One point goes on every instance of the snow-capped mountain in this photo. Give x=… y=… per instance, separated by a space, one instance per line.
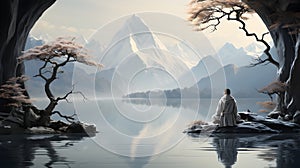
x=243 y=81
x=142 y=60
x=32 y=41
x=229 y=54
x=212 y=77
x=208 y=65
x=133 y=36
x=183 y=50
x=45 y=37
x=80 y=39
x=254 y=49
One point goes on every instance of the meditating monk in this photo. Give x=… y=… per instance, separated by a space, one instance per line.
x=226 y=113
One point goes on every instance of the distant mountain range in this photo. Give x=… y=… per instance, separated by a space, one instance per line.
x=205 y=67
x=243 y=81
x=229 y=54
x=136 y=62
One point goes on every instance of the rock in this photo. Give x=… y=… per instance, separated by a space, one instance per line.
x=246 y=116
x=274 y=114
x=296 y=117
x=254 y=124
x=90 y=128
x=279 y=125
x=287 y=117
x=194 y=129
x=275 y=124
x=246 y=127
x=40 y=130
x=75 y=128
x=58 y=125
x=55 y=127
x=8 y=127
x=78 y=127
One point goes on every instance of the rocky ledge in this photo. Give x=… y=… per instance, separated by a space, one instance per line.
x=249 y=123
x=55 y=127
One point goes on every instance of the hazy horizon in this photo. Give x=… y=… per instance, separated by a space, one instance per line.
x=74 y=18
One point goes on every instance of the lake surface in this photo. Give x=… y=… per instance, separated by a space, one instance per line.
x=138 y=133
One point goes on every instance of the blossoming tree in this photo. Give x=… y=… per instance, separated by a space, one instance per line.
x=54 y=56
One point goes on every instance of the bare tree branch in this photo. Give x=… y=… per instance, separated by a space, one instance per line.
x=68 y=118
x=261 y=40
x=69 y=93
x=41 y=71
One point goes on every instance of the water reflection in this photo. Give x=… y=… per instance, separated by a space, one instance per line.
x=137 y=162
x=158 y=102
x=283 y=149
x=198 y=104
x=227 y=150
x=21 y=151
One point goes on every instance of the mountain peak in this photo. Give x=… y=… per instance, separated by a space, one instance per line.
x=134 y=36
x=135 y=17
x=229 y=54
x=133 y=25
x=228 y=46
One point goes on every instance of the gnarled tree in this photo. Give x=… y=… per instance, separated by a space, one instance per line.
x=282 y=18
x=54 y=56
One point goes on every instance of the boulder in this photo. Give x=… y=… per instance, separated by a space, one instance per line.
x=246 y=127
x=274 y=114
x=40 y=130
x=296 y=117
x=83 y=128
x=58 y=125
x=8 y=127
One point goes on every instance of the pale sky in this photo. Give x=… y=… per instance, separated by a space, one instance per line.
x=85 y=17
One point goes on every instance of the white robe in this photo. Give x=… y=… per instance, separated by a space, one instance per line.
x=226 y=113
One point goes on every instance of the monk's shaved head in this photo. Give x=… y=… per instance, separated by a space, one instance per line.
x=227 y=91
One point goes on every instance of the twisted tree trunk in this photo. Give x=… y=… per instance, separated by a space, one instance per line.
x=277 y=16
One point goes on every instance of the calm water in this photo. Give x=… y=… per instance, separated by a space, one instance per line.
x=135 y=133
